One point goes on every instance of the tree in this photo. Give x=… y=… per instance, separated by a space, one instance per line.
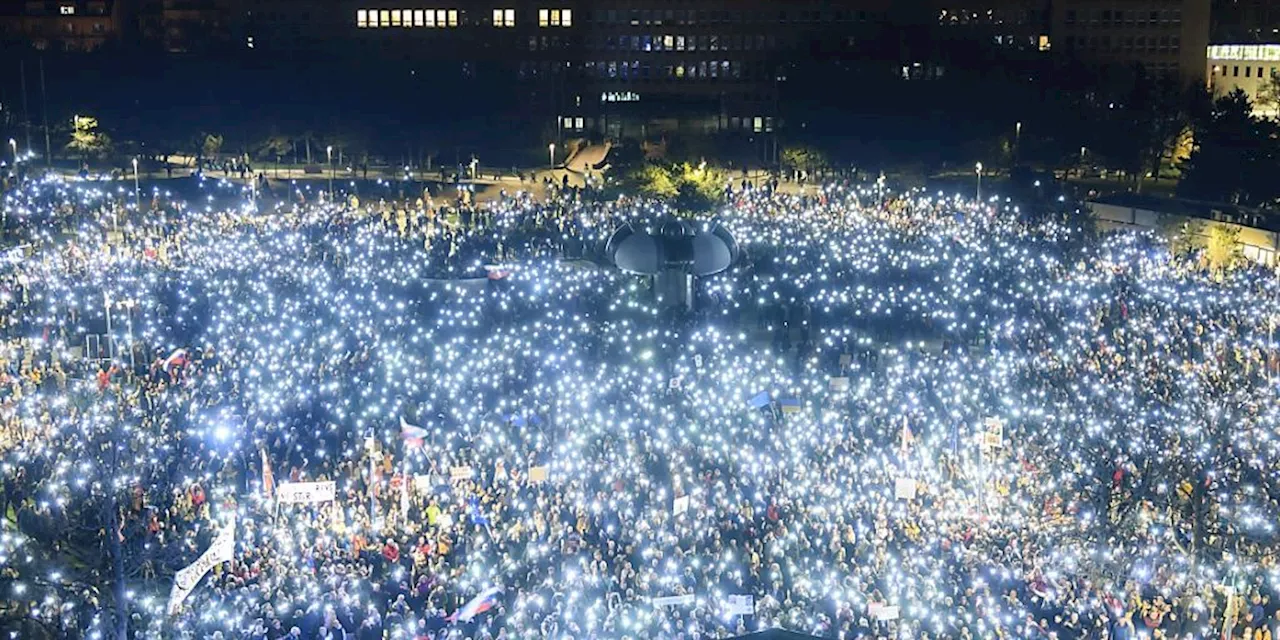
x=1184 y=235
x=655 y=181
x=1235 y=156
x=211 y=145
x=274 y=146
x=1222 y=250
x=86 y=140
x=802 y=158
x=1267 y=99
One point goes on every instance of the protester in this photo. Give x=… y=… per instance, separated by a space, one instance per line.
x=897 y=416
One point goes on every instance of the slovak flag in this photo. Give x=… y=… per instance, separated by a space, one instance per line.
x=412 y=436
x=176 y=359
x=487 y=600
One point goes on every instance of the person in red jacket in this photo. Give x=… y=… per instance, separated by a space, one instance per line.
x=391 y=552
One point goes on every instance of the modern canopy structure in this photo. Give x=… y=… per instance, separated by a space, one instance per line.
x=674 y=252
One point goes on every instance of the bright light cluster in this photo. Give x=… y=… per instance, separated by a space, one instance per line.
x=899 y=416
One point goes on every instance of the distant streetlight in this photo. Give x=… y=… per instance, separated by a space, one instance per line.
x=551 y=151
x=1017 y=140
x=13 y=144
x=978 y=170
x=329 y=152
x=137 y=193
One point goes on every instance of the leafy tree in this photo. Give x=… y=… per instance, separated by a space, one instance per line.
x=273 y=146
x=211 y=145
x=1267 y=99
x=1184 y=235
x=86 y=140
x=802 y=158
x=700 y=188
x=1222 y=250
x=655 y=181
x=1235 y=156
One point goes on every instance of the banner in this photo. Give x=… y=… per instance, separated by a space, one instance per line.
x=681 y=505
x=464 y=472
x=538 y=474
x=306 y=492
x=185 y=581
x=904 y=489
x=994 y=436
x=674 y=601
x=840 y=384
x=740 y=605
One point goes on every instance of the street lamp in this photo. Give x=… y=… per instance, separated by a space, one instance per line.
x=1017 y=140
x=329 y=152
x=13 y=144
x=978 y=169
x=551 y=151
x=137 y=193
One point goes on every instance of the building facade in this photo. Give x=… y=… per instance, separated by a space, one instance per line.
x=1245 y=66
x=60 y=25
x=1163 y=36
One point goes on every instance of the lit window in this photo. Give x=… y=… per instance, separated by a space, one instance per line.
x=249 y=41
x=395 y=17
x=555 y=17
x=442 y=18
x=67 y=10
x=362 y=18
x=453 y=17
x=408 y=17
x=384 y=18
x=578 y=123
x=431 y=18
x=759 y=124
x=418 y=19
x=1044 y=43
x=504 y=17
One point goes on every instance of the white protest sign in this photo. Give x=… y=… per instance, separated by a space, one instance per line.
x=306 y=492
x=538 y=474
x=740 y=605
x=904 y=489
x=185 y=581
x=840 y=384
x=887 y=613
x=464 y=472
x=674 y=601
x=681 y=505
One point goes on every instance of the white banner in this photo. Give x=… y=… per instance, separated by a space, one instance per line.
x=306 y=492
x=740 y=605
x=462 y=473
x=185 y=581
x=674 y=601
x=681 y=505
x=905 y=489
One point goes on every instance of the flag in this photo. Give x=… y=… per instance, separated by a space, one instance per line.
x=404 y=492
x=487 y=600
x=412 y=436
x=473 y=510
x=907 y=438
x=789 y=405
x=268 y=478
x=760 y=400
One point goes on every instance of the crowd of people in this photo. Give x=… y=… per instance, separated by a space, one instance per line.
x=898 y=415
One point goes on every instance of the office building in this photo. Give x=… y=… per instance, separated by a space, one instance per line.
x=60 y=25
x=1163 y=36
x=1245 y=66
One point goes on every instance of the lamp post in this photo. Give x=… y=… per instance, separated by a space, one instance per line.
x=1017 y=141
x=978 y=170
x=13 y=144
x=137 y=193
x=128 y=305
x=551 y=151
x=329 y=153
